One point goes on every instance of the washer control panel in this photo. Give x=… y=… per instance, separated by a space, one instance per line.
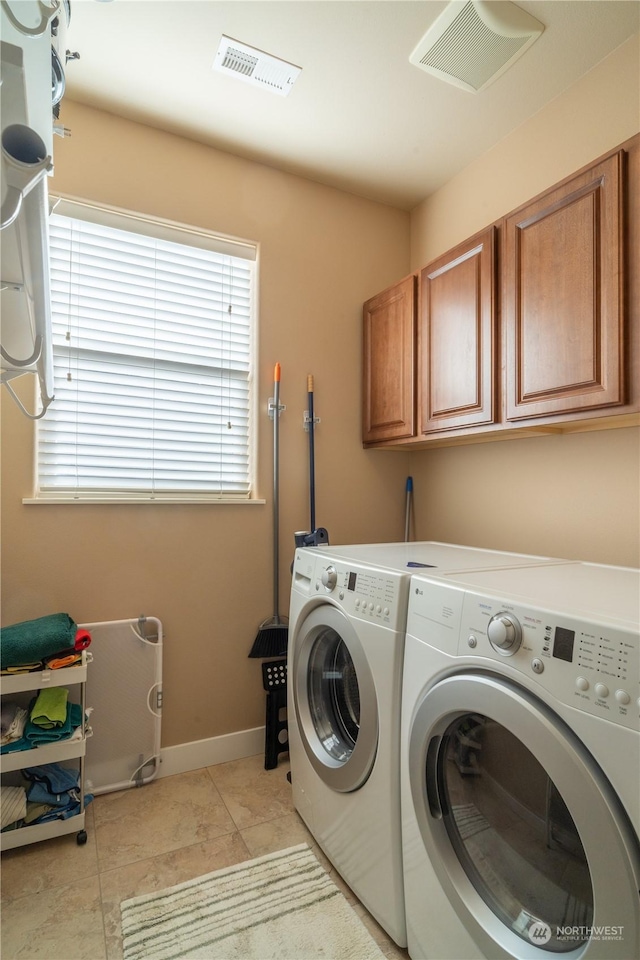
x=594 y=667
x=372 y=595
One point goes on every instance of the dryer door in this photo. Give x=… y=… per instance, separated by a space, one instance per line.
x=335 y=698
x=526 y=835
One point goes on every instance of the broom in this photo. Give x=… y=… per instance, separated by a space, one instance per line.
x=273 y=633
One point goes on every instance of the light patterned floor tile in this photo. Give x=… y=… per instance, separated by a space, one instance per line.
x=62 y=902
x=158 y=873
x=63 y=923
x=164 y=815
x=277 y=834
x=51 y=863
x=251 y=793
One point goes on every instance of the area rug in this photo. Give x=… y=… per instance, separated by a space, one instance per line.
x=469 y=820
x=279 y=907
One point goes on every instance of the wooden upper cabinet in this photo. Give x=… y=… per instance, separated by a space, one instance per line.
x=389 y=364
x=563 y=298
x=456 y=335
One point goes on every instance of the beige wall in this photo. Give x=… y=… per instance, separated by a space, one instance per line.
x=596 y=113
x=573 y=496
x=204 y=570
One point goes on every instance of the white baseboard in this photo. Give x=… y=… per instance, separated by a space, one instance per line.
x=204 y=753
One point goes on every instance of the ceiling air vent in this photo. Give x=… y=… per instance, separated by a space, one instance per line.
x=254 y=66
x=471 y=43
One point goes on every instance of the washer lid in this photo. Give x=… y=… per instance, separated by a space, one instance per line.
x=437 y=558
x=588 y=590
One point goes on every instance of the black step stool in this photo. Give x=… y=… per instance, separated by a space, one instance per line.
x=274 y=681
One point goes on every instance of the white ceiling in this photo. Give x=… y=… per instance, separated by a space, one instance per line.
x=360 y=117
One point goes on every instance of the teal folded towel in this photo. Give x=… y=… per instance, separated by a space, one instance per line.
x=36 y=639
x=50 y=709
x=16 y=745
x=35 y=735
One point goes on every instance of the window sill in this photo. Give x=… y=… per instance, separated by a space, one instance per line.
x=227 y=501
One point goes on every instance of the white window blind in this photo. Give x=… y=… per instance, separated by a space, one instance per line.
x=152 y=364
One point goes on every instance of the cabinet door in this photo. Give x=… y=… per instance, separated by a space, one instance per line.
x=563 y=298
x=389 y=364
x=457 y=337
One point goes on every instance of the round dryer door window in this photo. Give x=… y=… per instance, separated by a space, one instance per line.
x=514 y=834
x=335 y=699
x=524 y=831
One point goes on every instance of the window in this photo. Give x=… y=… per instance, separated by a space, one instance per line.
x=153 y=333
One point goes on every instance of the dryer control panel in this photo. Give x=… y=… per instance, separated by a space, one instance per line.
x=591 y=666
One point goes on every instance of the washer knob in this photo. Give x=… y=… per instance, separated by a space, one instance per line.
x=329 y=578
x=505 y=633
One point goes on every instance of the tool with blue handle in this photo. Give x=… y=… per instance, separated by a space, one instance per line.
x=408 y=504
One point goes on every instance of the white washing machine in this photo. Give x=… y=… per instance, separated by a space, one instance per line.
x=521 y=764
x=346 y=639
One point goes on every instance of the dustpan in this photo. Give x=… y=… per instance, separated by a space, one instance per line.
x=273 y=633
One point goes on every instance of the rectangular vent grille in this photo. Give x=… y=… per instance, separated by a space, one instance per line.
x=471 y=51
x=472 y=43
x=235 y=59
x=255 y=67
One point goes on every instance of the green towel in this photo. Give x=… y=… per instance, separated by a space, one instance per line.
x=50 y=709
x=36 y=639
x=35 y=734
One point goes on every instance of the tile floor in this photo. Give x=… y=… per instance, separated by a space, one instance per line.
x=62 y=902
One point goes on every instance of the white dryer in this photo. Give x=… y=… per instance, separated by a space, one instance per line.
x=521 y=764
x=346 y=640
